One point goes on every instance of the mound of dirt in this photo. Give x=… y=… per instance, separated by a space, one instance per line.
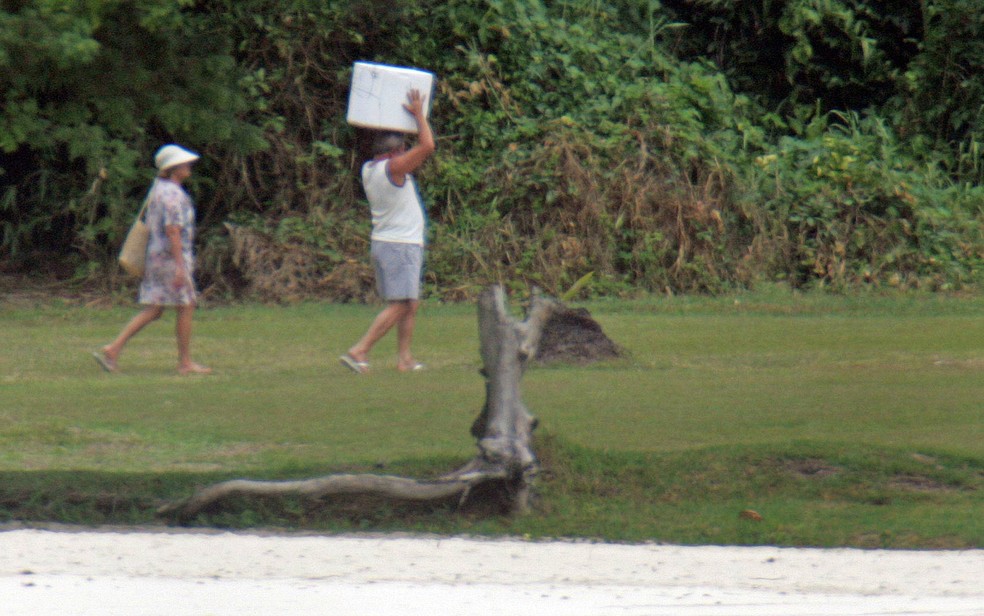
x=573 y=336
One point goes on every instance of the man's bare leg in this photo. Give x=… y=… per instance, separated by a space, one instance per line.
x=392 y=314
x=404 y=337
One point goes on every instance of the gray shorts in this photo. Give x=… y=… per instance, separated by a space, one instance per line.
x=398 y=269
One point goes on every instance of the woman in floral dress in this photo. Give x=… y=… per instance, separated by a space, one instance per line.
x=167 y=279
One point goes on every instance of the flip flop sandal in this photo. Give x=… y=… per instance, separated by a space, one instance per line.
x=107 y=364
x=358 y=367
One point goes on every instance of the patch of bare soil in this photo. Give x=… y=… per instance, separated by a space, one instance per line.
x=25 y=291
x=811 y=467
x=918 y=483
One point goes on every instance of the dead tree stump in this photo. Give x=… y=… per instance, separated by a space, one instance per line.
x=503 y=430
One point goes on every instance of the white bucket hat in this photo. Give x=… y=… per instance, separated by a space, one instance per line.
x=170 y=155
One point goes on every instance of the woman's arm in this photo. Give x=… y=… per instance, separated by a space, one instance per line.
x=181 y=278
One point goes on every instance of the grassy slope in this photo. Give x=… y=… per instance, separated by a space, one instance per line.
x=841 y=421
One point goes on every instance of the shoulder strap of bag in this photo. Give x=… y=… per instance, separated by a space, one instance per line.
x=143 y=208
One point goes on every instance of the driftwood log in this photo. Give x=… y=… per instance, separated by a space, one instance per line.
x=503 y=431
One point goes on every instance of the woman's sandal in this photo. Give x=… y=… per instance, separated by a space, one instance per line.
x=107 y=364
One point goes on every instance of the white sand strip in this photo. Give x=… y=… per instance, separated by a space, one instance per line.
x=203 y=574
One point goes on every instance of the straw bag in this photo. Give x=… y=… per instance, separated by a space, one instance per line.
x=134 y=251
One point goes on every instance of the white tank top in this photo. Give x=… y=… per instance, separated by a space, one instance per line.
x=397 y=211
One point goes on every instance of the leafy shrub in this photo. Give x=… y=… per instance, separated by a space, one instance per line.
x=639 y=146
x=853 y=207
x=89 y=91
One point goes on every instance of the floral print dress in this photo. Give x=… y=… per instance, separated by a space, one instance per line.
x=168 y=204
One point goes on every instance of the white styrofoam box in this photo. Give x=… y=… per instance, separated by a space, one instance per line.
x=379 y=92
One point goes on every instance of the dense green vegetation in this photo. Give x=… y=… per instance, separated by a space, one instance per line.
x=674 y=145
x=841 y=421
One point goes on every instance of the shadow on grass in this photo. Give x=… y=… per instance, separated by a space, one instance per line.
x=807 y=494
x=95 y=498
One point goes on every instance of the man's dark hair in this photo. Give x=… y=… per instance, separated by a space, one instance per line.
x=387 y=142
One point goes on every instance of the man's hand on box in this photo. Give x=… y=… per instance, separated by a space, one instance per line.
x=415 y=103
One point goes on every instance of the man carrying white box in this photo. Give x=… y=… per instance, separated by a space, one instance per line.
x=397 y=240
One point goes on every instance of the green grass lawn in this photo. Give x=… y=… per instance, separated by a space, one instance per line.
x=839 y=420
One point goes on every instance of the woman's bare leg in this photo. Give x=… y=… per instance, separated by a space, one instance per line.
x=183 y=333
x=144 y=318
